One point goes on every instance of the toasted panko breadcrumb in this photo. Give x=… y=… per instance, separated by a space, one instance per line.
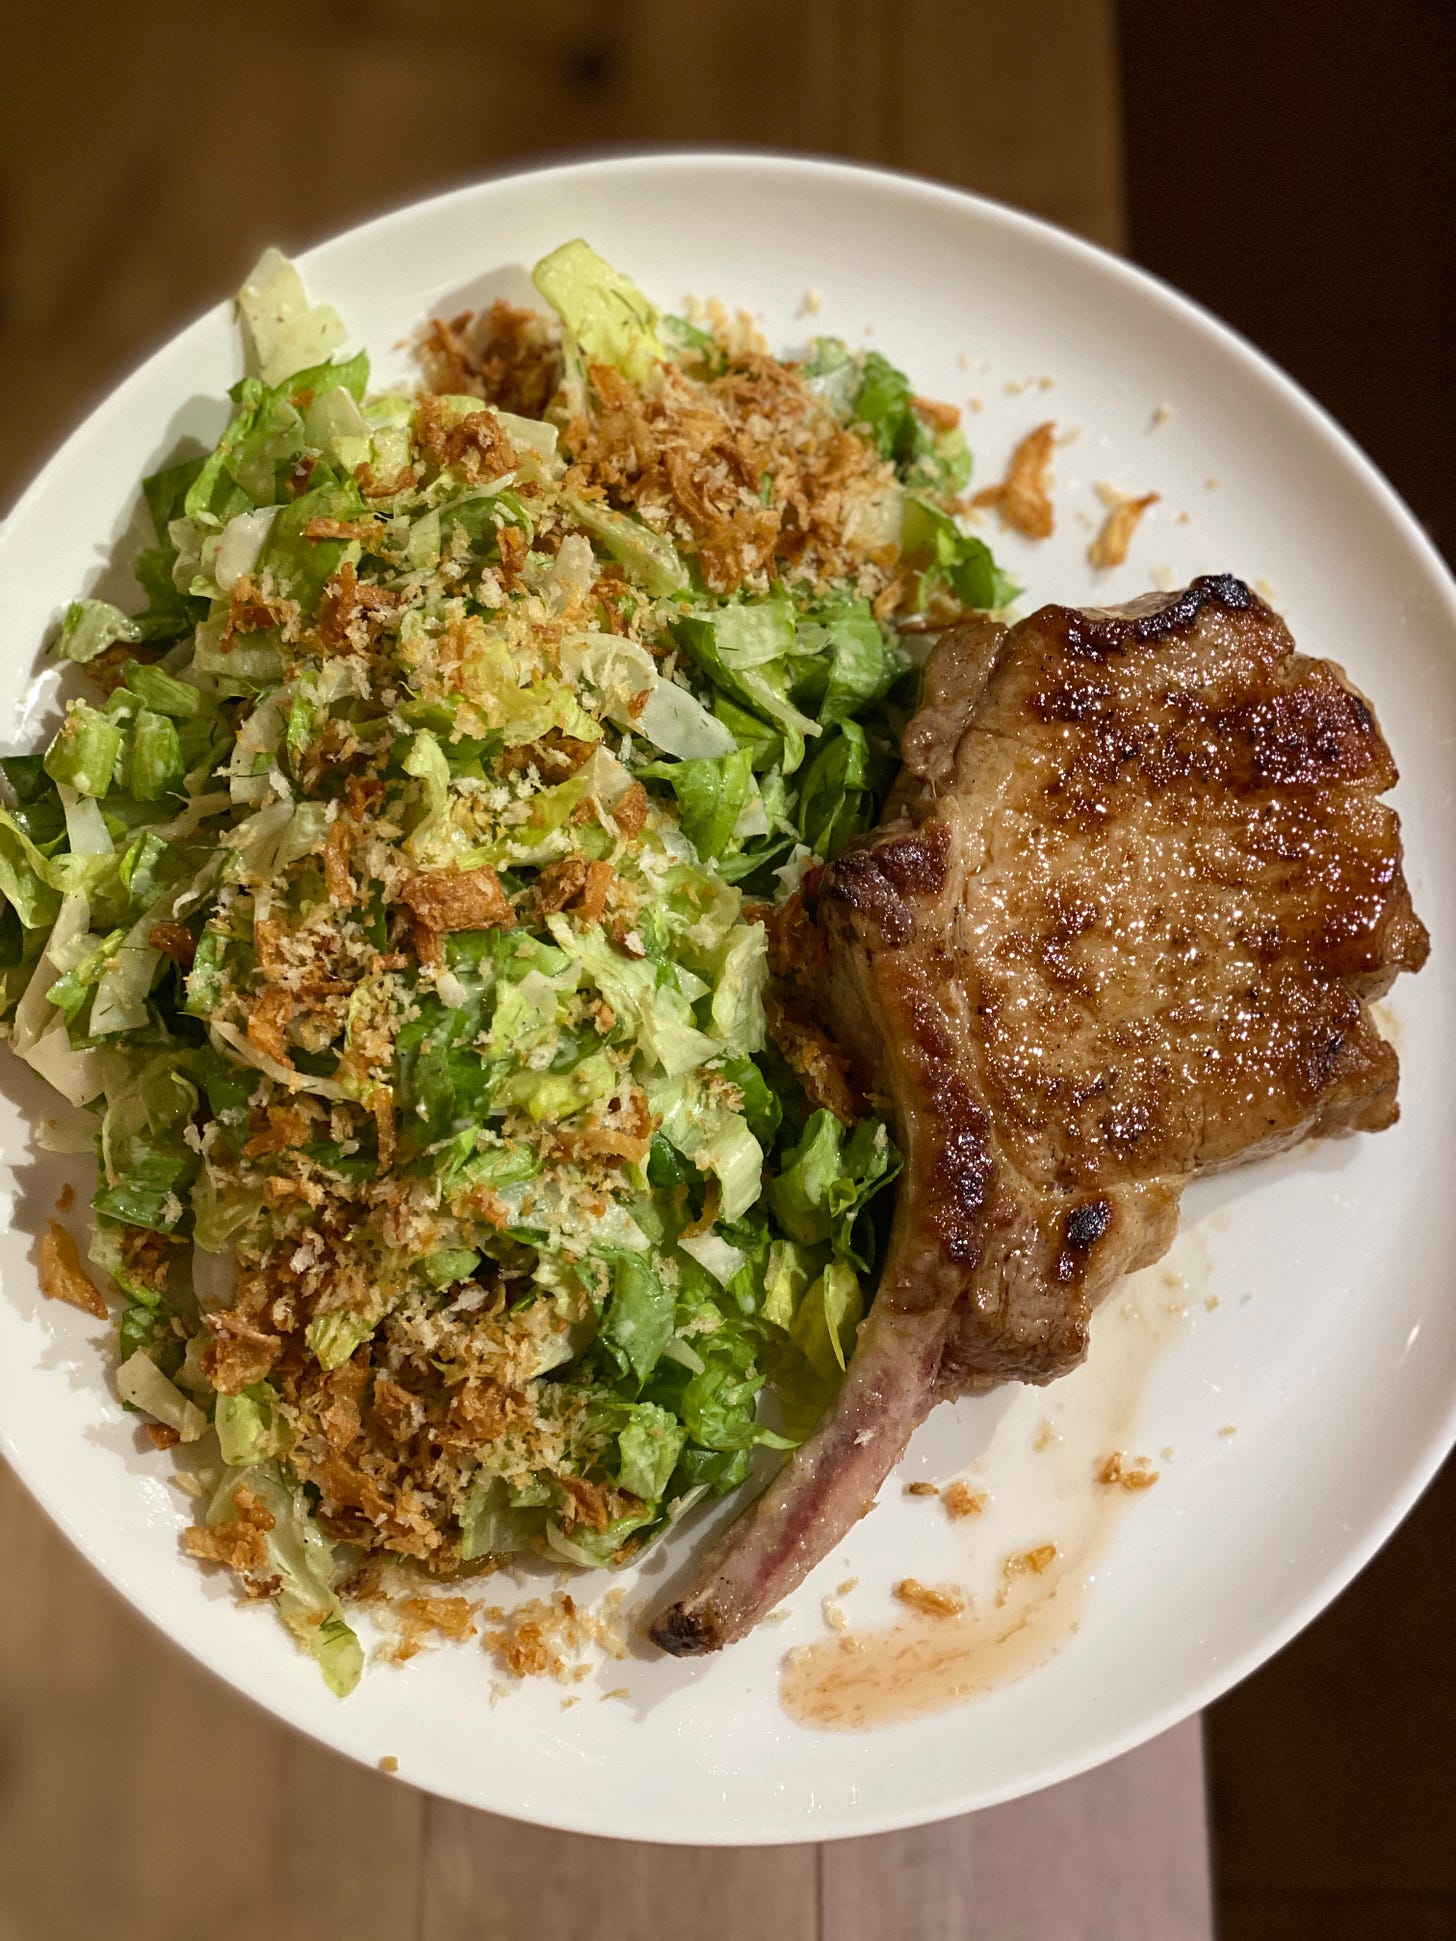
x=350 y=611
x=268 y=1016
x=240 y=1543
x=108 y=670
x=1114 y=537
x=240 y=1352
x=961 y=1500
x=459 y=899
x=818 y=1063
x=254 y=608
x=750 y=468
x=476 y=446
x=1029 y=1563
x=63 y=1277
x=174 y=940
x=624 y=1133
x=547 y=1637
x=554 y=756
x=1023 y=498
x=420 y=1618
x=511 y=358
x=1127 y=1472
x=931 y=1600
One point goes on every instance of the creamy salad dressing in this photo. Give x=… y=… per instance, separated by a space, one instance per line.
x=1014 y=1624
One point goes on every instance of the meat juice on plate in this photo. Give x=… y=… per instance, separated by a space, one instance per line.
x=1051 y=1448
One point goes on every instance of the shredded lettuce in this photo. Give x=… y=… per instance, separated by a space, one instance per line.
x=608 y=316
x=285 y=332
x=90 y=627
x=304 y=1559
x=391 y=916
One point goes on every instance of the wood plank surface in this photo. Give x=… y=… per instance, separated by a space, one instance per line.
x=145 y=157
x=141 y=1800
x=1118 y=1855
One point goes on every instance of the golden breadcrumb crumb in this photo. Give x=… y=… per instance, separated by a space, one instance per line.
x=932 y=1600
x=1028 y=1563
x=1127 y=1472
x=961 y=1500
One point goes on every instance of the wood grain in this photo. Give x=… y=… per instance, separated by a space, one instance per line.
x=481 y=1874
x=1118 y=1855
x=142 y=1800
x=142 y=166
x=145 y=157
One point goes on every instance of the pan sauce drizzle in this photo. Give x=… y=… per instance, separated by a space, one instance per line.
x=859 y=1679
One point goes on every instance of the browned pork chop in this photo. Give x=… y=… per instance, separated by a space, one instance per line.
x=1122 y=924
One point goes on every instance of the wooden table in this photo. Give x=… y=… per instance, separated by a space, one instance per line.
x=145 y=157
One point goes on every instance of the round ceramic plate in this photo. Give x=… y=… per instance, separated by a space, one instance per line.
x=1291 y=1373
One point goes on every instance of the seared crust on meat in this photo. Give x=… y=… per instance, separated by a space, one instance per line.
x=1134 y=893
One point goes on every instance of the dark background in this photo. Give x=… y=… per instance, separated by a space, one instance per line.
x=1293 y=167
x=1290 y=165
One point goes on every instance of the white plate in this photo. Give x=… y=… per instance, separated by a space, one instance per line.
x=1336 y=1374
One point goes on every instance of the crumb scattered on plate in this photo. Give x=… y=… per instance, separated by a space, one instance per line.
x=1111 y=545
x=540 y=1638
x=1127 y=1472
x=931 y=1600
x=1023 y=498
x=1029 y=1562
x=389 y=1764
x=961 y=1500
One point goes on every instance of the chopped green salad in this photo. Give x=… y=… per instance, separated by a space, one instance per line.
x=398 y=907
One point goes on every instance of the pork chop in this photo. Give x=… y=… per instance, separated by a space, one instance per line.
x=1134 y=892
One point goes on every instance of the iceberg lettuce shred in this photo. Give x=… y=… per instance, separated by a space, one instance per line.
x=396 y=908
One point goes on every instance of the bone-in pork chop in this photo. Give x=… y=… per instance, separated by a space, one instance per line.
x=1122 y=924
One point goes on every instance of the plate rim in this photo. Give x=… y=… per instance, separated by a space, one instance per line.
x=624 y=160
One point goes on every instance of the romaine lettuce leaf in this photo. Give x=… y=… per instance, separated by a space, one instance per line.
x=608 y=316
